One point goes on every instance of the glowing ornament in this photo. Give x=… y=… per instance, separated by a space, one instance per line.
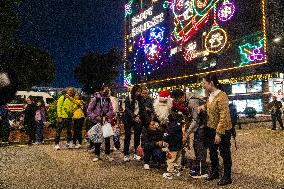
x=226 y=11
x=157 y=33
x=152 y=50
x=190 y=51
x=251 y=52
x=216 y=40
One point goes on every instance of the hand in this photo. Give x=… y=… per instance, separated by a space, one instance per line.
x=0 y=118
x=217 y=139
x=200 y=108
x=59 y=119
x=137 y=119
x=184 y=139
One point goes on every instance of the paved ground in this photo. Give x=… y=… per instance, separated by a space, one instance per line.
x=258 y=163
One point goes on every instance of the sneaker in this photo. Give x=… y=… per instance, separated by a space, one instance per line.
x=97 y=158
x=57 y=147
x=78 y=146
x=126 y=158
x=108 y=158
x=36 y=143
x=168 y=175
x=177 y=173
x=136 y=157
x=146 y=166
x=71 y=145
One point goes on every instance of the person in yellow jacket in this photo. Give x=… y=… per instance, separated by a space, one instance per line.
x=219 y=129
x=65 y=110
x=78 y=120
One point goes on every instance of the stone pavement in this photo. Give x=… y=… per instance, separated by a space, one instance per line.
x=257 y=164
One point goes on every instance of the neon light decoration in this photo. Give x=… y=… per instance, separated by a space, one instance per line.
x=190 y=51
x=141 y=42
x=252 y=52
x=226 y=11
x=202 y=7
x=152 y=50
x=128 y=8
x=215 y=40
x=157 y=33
x=127 y=81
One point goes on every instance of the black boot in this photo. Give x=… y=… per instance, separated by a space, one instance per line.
x=212 y=176
x=224 y=181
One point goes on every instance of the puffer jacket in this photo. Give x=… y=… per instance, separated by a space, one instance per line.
x=65 y=107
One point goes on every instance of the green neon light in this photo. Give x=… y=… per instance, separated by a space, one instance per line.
x=166 y=4
x=248 y=46
x=128 y=12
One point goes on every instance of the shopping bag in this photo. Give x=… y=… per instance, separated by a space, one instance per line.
x=95 y=134
x=140 y=151
x=107 y=130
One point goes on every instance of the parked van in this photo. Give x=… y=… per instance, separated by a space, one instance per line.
x=18 y=104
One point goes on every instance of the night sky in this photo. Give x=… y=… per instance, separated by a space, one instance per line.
x=70 y=28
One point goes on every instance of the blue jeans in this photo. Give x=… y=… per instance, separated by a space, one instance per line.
x=157 y=155
x=39 y=131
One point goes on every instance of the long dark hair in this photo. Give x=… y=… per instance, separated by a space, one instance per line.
x=213 y=78
x=134 y=90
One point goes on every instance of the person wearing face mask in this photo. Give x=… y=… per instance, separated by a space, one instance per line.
x=134 y=111
x=219 y=130
x=100 y=110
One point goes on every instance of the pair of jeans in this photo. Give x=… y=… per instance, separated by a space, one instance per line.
x=276 y=117
x=200 y=149
x=78 y=125
x=65 y=123
x=157 y=155
x=225 y=151
x=39 y=131
x=137 y=133
x=98 y=147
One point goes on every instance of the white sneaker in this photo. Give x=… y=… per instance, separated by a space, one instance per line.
x=70 y=145
x=146 y=166
x=168 y=176
x=91 y=150
x=57 y=147
x=96 y=159
x=136 y=157
x=126 y=158
x=78 y=146
x=108 y=158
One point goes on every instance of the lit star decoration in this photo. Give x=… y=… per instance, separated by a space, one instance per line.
x=190 y=51
x=157 y=33
x=226 y=11
x=128 y=8
x=251 y=52
x=215 y=40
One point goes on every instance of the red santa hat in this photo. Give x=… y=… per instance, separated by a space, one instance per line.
x=164 y=94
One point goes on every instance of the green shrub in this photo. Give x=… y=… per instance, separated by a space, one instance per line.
x=52 y=114
x=250 y=112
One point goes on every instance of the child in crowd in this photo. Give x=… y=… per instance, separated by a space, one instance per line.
x=40 y=118
x=198 y=127
x=174 y=134
x=151 y=142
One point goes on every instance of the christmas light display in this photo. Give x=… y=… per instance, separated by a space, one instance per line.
x=216 y=40
x=157 y=33
x=127 y=80
x=226 y=11
x=251 y=52
x=190 y=51
x=141 y=42
x=128 y=8
x=152 y=50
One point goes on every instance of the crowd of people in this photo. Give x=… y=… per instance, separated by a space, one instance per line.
x=162 y=127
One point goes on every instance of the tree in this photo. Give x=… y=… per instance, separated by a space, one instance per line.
x=96 y=69
x=32 y=65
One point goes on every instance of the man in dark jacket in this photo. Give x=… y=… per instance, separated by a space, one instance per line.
x=275 y=110
x=4 y=124
x=29 y=120
x=151 y=142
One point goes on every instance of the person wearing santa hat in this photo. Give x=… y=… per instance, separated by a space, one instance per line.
x=162 y=107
